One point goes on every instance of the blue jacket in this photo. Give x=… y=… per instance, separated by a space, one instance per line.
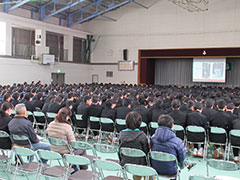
x=165 y=140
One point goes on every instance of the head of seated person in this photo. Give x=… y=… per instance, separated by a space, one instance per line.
x=63 y=115
x=21 y=110
x=133 y=120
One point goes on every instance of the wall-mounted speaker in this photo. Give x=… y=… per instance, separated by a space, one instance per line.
x=125 y=54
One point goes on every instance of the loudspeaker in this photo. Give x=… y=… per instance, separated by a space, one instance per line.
x=125 y=54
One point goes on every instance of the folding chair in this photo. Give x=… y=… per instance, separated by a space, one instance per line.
x=25 y=167
x=50 y=116
x=49 y=170
x=179 y=131
x=30 y=116
x=85 y=146
x=13 y=113
x=120 y=124
x=222 y=165
x=233 y=134
x=4 y=159
x=165 y=157
x=80 y=174
x=198 y=177
x=78 y=128
x=140 y=170
x=217 y=131
x=106 y=127
x=106 y=149
x=103 y=165
x=40 y=121
x=93 y=126
x=143 y=127
x=19 y=139
x=58 y=142
x=133 y=153
x=152 y=128
x=197 y=130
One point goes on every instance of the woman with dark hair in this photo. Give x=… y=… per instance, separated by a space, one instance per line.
x=61 y=128
x=132 y=137
x=5 y=112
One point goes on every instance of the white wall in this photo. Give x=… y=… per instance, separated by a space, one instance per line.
x=20 y=70
x=164 y=25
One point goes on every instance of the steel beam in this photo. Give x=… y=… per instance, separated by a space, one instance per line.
x=20 y=3
x=69 y=5
x=101 y=12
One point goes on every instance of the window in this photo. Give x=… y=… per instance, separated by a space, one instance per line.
x=2 y=38
x=55 y=43
x=23 y=42
x=79 y=50
x=109 y=74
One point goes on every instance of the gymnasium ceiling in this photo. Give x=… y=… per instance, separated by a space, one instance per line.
x=74 y=11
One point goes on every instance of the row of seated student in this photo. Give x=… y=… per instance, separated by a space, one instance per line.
x=201 y=106
x=164 y=139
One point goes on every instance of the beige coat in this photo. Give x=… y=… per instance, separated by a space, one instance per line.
x=62 y=131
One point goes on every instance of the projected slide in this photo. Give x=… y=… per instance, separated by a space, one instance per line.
x=209 y=70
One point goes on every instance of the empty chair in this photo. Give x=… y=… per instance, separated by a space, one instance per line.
x=139 y=170
x=222 y=165
x=78 y=161
x=101 y=165
x=106 y=149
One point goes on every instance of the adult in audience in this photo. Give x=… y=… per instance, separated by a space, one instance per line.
x=122 y=111
x=62 y=129
x=5 y=112
x=56 y=105
x=165 y=140
x=27 y=100
x=132 y=137
x=87 y=101
x=20 y=125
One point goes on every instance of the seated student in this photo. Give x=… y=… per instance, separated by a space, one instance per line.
x=108 y=112
x=5 y=112
x=62 y=129
x=20 y=125
x=132 y=137
x=165 y=140
x=195 y=118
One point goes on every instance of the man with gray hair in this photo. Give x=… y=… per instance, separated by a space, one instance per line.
x=20 y=125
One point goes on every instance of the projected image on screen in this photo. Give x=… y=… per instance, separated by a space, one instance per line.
x=209 y=70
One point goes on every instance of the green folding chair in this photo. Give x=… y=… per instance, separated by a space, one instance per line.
x=143 y=127
x=103 y=165
x=120 y=124
x=106 y=149
x=30 y=116
x=85 y=146
x=25 y=167
x=152 y=127
x=106 y=122
x=180 y=132
x=78 y=161
x=90 y=128
x=55 y=171
x=58 y=142
x=197 y=129
x=233 y=134
x=133 y=153
x=50 y=116
x=221 y=165
x=140 y=170
x=80 y=130
x=19 y=139
x=40 y=121
x=217 y=131
x=165 y=157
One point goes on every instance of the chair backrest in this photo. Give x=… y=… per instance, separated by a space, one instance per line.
x=51 y=115
x=217 y=130
x=49 y=155
x=121 y=122
x=140 y=170
x=153 y=125
x=235 y=132
x=178 y=127
x=143 y=124
x=162 y=156
x=20 y=138
x=21 y=151
x=76 y=160
x=104 y=148
x=106 y=166
x=3 y=134
x=78 y=117
x=106 y=120
x=198 y=177
x=29 y=113
x=94 y=119
x=223 y=165
x=38 y=114
x=83 y=146
x=132 y=152
x=195 y=129
x=57 y=141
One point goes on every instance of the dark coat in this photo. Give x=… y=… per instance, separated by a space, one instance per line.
x=92 y=110
x=82 y=108
x=37 y=103
x=208 y=112
x=54 y=107
x=5 y=143
x=133 y=139
x=165 y=140
x=180 y=118
x=155 y=113
x=144 y=112
x=121 y=112
x=29 y=106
